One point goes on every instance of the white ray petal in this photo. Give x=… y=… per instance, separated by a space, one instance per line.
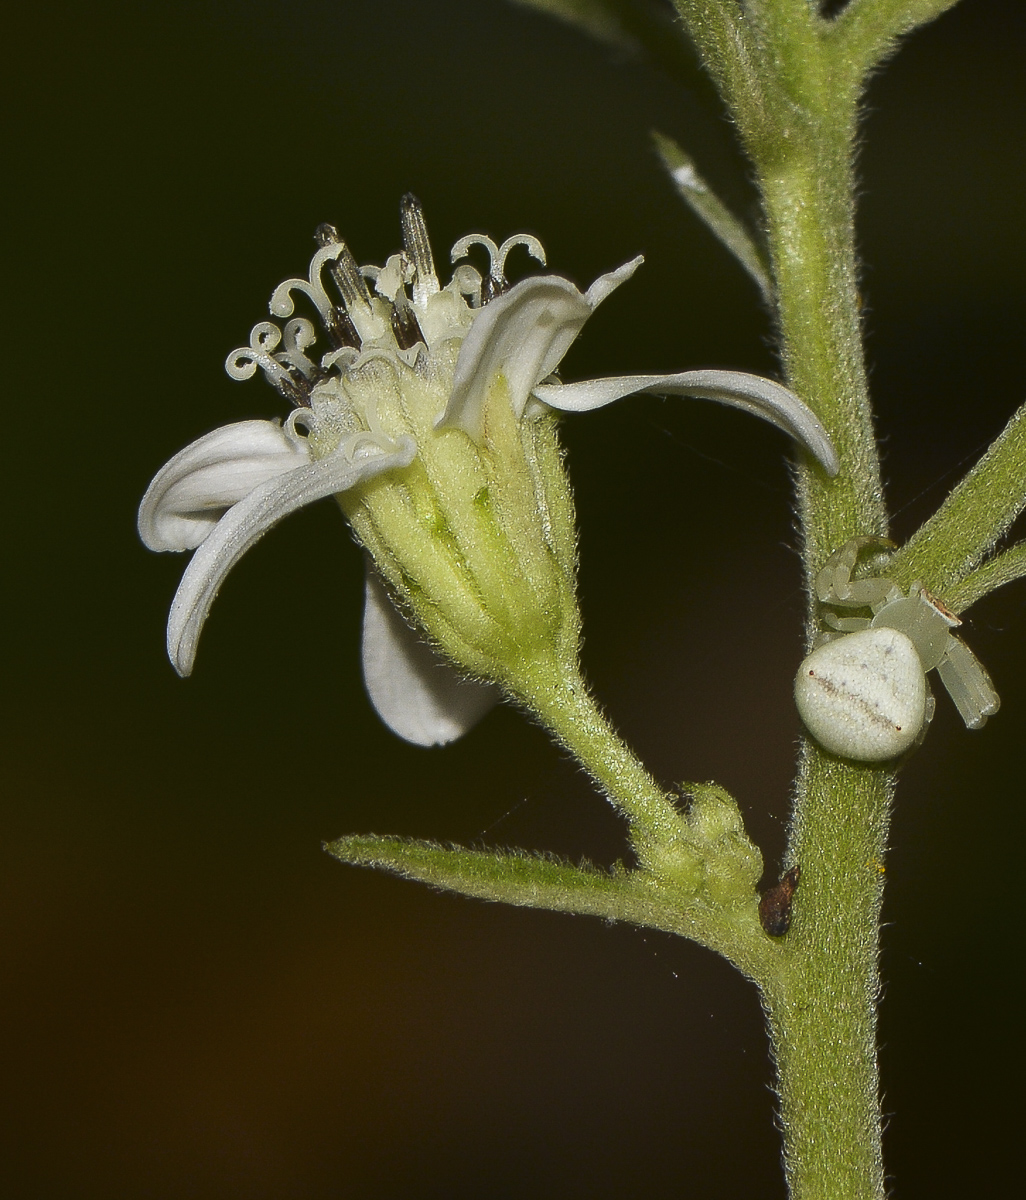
x=761 y=397
x=521 y=336
x=190 y=494
x=246 y=522
x=605 y=284
x=415 y=692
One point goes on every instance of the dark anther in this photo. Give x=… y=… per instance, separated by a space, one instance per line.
x=775 y=905
x=415 y=236
x=295 y=388
x=405 y=326
x=341 y=330
x=326 y=235
x=344 y=270
x=492 y=287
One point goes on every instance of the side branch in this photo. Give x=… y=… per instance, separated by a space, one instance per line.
x=868 y=30
x=1002 y=569
x=531 y=881
x=658 y=901
x=955 y=540
x=726 y=43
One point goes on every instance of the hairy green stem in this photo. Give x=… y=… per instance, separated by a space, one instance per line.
x=798 y=123
x=822 y=1011
x=821 y=1001
x=871 y=28
x=808 y=205
x=562 y=702
x=1002 y=569
x=514 y=877
x=977 y=513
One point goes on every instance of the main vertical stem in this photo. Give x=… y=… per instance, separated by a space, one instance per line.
x=808 y=197
x=821 y=1005
x=792 y=79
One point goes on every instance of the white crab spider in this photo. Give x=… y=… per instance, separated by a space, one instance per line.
x=862 y=691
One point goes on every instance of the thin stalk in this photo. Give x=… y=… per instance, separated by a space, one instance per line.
x=561 y=700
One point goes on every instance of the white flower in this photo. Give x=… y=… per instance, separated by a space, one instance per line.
x=427 y=419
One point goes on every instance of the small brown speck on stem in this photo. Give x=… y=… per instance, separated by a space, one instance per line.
x=775 y=905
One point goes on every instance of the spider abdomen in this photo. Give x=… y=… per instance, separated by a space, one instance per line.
x=863 y=696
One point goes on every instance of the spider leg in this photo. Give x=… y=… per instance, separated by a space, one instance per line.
x=968 y=684
x=846 y=624
x=834 y=584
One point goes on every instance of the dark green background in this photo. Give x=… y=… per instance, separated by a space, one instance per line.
x=195 y=1001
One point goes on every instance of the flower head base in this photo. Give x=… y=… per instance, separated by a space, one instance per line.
x=428 y=411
